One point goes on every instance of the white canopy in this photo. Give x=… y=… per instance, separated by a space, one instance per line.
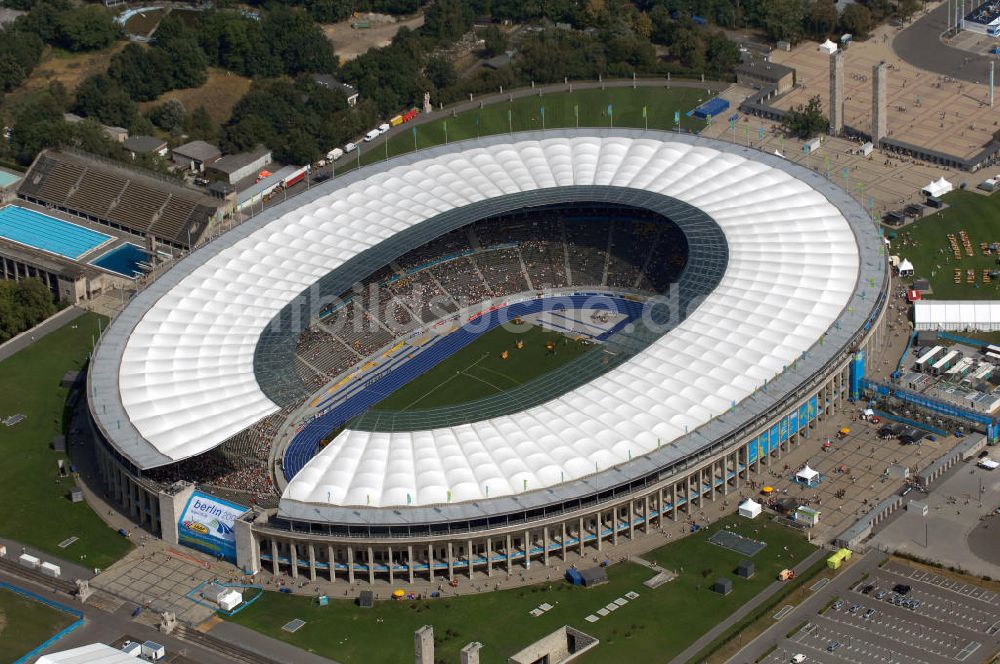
x=828 y=47
x=957 y=315
x=95 y=653
x=869 y=412
x=807 y=474
x=750 y=508
x=938 y=188
x=186 y=374
x=905 y=266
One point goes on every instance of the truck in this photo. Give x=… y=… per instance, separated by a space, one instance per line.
x=334 y=154
x=372 y=135
x=296 y=176
x=786 y=575
x=153 y=651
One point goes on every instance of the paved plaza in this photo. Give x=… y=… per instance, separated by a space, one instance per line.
x=961 y=528
x=931 y=110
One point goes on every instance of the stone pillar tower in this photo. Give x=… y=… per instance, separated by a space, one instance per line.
x=880 y=74
x=836 y=93
x=423 y=645
x=470 y=653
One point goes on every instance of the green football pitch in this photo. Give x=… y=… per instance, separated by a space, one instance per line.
x=580 y=108
x=26 y=624
x=478 y=370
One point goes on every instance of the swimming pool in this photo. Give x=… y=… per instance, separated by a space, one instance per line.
x=41 y=231
x=124 y=260
x=7 y=179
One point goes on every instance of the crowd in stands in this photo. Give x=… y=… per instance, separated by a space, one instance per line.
x=490 y=259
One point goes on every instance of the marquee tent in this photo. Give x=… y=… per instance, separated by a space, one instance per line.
x=938 y=187
x=828 y=47
x=807 y=476
x=905 y=268
x=750 y=508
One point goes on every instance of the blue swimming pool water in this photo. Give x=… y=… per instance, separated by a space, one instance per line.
x=7 y=179
x=48 y=233
x=124 y=260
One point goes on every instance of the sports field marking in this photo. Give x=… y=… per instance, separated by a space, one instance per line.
x=482 y=380
x=445 y=382
x=502 y=375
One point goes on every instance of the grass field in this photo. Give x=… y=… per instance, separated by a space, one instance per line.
x=477 y=370
x=26 y=624
x=655 y=627
x=142 y=24
x=925 y=244
x=525 y=114
x=37 y=509
x=218 y=94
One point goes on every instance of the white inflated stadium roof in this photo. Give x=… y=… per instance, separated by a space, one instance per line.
x=187 y=379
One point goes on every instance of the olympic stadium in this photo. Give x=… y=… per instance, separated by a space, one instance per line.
x=520 y=348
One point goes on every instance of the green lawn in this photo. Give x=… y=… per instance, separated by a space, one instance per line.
x=26 y=624
x=478 y=371
x=525 y=114
x=655 y=627
x=37 y=509
x=925 y=244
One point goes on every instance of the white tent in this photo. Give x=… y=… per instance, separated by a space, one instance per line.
x=828 y=47
x=938 y=188
x=750 y=508
x=95 y=653
x=807 y=476
x=905 y=268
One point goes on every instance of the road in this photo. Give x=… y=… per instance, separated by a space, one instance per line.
x=804 y=611
x=920 y=45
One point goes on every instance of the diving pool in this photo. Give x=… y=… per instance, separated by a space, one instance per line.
x=41 y=231
x=124 y=260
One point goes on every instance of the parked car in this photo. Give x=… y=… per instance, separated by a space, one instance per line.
x=901 y=588
x=880 y=594
x=384 y=127
x=838 y=605
x=867 y=589
x=372 y=135
x=869 y=613
x=854 y=608
x=834 y=645
x=350 y=147
x=334 y=154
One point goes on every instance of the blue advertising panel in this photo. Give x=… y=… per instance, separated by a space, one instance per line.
x=804 y=415
x=207 y=524
x=812 y=408
x=793 y=423
x=752 y=451
x=783 y=435
x=774 y=438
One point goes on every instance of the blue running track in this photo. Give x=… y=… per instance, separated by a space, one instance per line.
x=398 y=373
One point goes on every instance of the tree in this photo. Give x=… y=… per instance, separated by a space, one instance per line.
x=200 y=125
x=190 y=64
x=805 y=121
x=145 y=73
x=494 y=41
x=823 y=18
x=23 y=304
x=643 y=25
x=100 y=97
x=447 y=20
x=905 y=9
x=169 y=115
x=783 y=19
x=86 y=28
x=857 y=19
x=440 y=72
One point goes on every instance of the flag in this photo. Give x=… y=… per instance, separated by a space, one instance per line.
x=644 y=111
x=677 y=117
x=845 y=171
x=576 y=111
x=760 y=133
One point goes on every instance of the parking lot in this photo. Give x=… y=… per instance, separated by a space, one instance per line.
x=932 y=619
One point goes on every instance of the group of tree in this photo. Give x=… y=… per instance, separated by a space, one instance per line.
x=299 y=121
x=55 y=22
x=23 y=304
x=806 y=120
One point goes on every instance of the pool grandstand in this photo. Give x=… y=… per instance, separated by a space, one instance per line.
x=126 y=199
x=742 y=295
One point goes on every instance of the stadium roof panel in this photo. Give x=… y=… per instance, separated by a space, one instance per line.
x=179 y=360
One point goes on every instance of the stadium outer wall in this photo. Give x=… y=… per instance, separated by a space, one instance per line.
x=557 y=535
